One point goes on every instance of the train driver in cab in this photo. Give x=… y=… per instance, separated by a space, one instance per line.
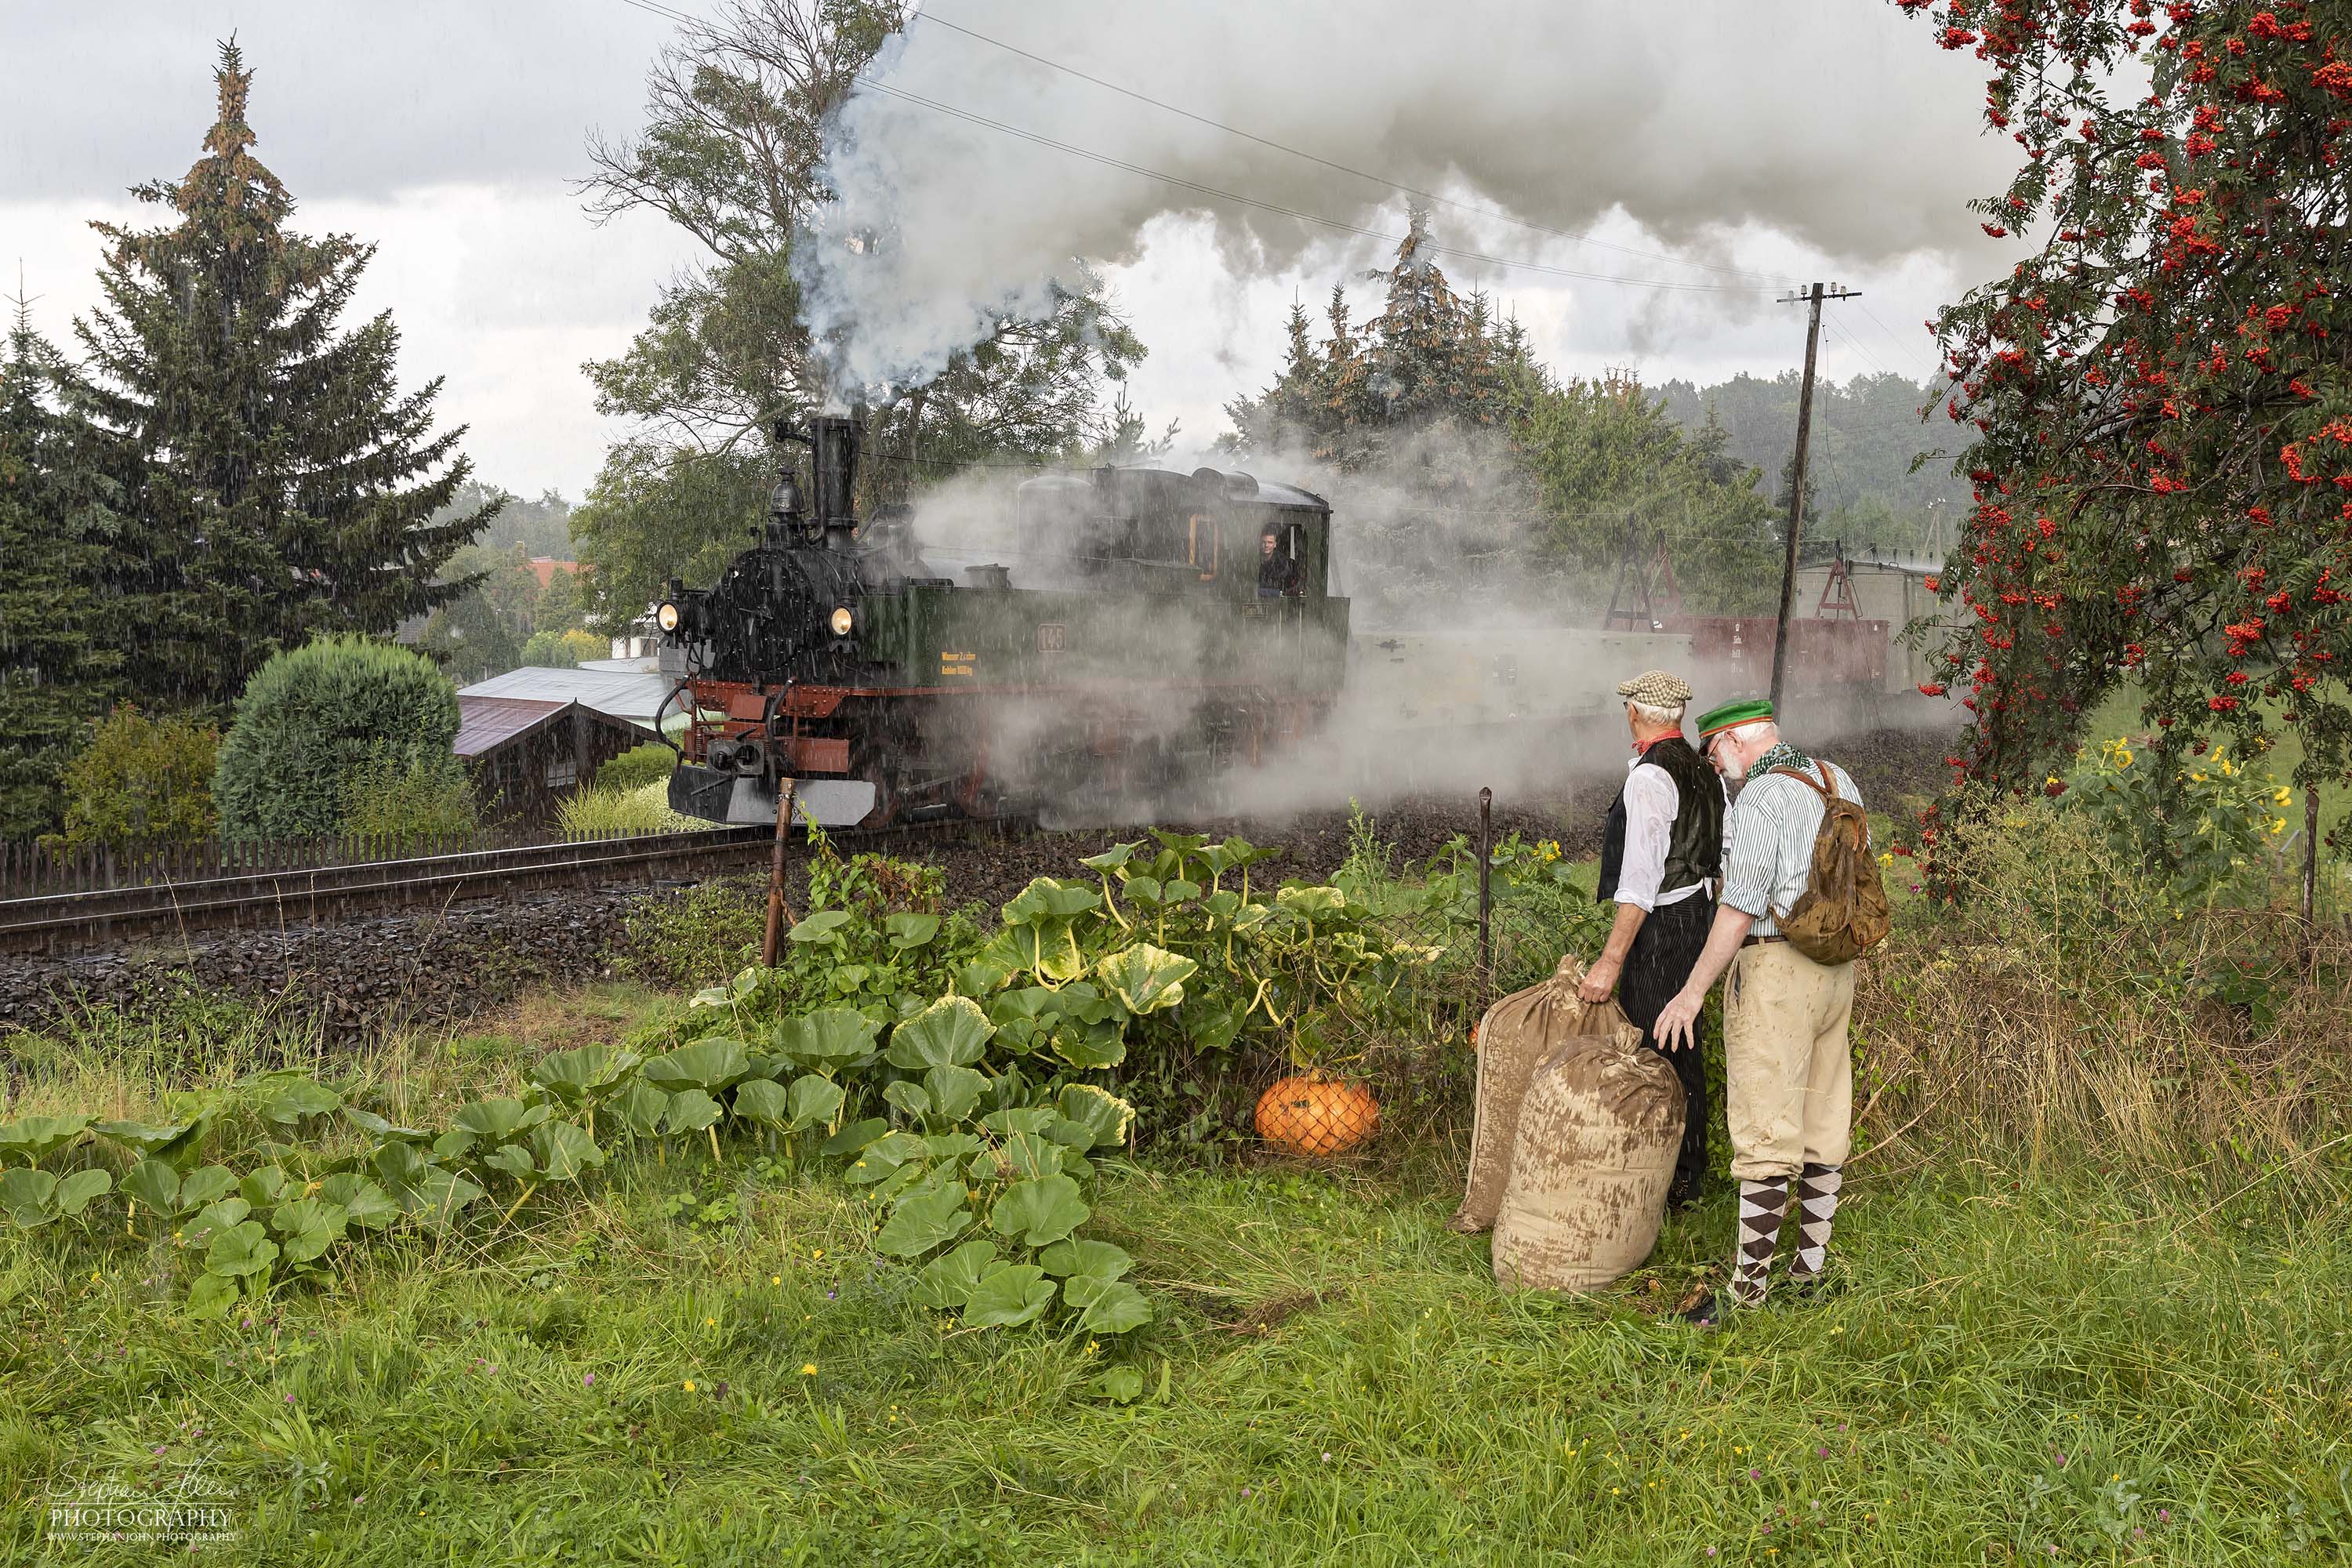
x=1277 y=573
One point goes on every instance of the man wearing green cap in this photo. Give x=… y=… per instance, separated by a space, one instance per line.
x=1661 y=852
x=1789 y=1071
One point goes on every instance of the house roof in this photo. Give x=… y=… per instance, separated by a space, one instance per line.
x=636 y=698
x=486 y=723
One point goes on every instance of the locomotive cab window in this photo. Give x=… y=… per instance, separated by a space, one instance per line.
x=1201 y=545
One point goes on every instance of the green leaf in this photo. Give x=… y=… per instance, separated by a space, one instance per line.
x=211 y=1295
x=910 y=1097
x=498 y=1120
x=375 y=1126
x=953 y=1091
x=1051 y=951
x=1094 y=1259
x=691 y=1111
x=950 y=1032
x=154 y=1142
x=1047 y=899
x=1313 y=902
x=1104 y=1114
x=34 y=1137
x=30 y=1196
x=948 y=1147
x=1143 y=890
x=1018 y=1119
x=77 y=1192
x=1112 y=859
x=854 y=1137
x=563 y=1151
x=241 y=1249
x=909 y=931
x=1040 y=1211
x=814 y=1100
x=293 y=1099
x=262 y=1185
x=828 y=1038
x=309 y=1228
x=1097 y=1045
x=1033 y=1002
x=514 y=1159
x=1177 y=890
x=707 y=1064
x=363 y=1202
x=947 y=1280
x=1145 y=978
x=640 y=1107
x=1024 y=1156
x=922 y=1221
x=1008 y=1295
x=1120 y=1384
x=206 y=1184
x=883 y=1156
x=822 y=928
x=214 y=1219
x=575 y=1077
x=1106 y=1306
x=764 y=1100
x=443 y=1195
x=155 y=1187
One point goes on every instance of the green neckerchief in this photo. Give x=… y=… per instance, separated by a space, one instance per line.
x=1781 y=755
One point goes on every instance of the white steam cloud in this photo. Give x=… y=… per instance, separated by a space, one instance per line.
x=1839 y=126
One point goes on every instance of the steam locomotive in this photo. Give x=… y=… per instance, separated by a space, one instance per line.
x=1149 y=628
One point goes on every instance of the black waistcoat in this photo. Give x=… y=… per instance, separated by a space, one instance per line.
x=1694 y=843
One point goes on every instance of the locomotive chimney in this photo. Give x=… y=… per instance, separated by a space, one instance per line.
x=833 y=472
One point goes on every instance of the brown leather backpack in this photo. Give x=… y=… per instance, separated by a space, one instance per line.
x=1843 y=912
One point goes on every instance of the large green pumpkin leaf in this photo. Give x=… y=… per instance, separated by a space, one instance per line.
x=293 y=1099
x=950 y=1032
x=910 y=1097
x=1097 y=1045
x=443 y=1195
x=308 y=1225
x=1106 y=1306
x=563 y=1151
x=214 y=1219
x=854 y=1138
x=1008 y=1295
x=947 y=1148
x=575 y=1077
x=1040 y=1211
x=813 y=1100
x=34 y=1137
x=211 y=1295
x=909 y=931
x=1145 y=978
x=263 y=1186
x=1112 y=859
x=826 y=1039
x=1023 y=1156
x=953 y=1091
x=79 y=1191
x=947 y=1280
x=764 y=1100
x=154 y=1186
x=640 y=1105
x=1097 y=1259
x=514 y=1159
x=876 y=1160
x=1045 y=899
x=366 y=1205
x=707 y=1064
x=1104 y=1114
x=151 y=1141
x=30 y=1196
x=375 y=1126
x=822 y=928
x=1050 y=949
x=922 y=1221
x=204 y=1185
x=1017 y=1118
x=241 y=1249
x=497 y=1120
x=691 y=1111
x=1120 y=1384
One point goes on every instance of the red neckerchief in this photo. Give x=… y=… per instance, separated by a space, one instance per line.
x=1644 y=750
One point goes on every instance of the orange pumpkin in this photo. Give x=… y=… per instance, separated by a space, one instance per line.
x=1317 y=1116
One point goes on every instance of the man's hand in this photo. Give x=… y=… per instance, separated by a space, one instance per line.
x=1600 y=981
x=1677 y=1025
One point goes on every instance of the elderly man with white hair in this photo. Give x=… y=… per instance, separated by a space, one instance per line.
x=1661 y=849
x=1788 y=1068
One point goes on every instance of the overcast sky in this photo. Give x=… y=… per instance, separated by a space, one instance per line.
x=448 y=134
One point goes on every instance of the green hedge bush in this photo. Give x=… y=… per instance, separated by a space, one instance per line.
x=311 y=719
x=633 y=769
x=142 y=781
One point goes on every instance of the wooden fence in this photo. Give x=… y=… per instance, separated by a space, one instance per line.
x=37 y=871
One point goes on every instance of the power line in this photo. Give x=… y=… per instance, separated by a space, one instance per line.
x=1891 y=336
x=1221 y=194
x=1495 y=213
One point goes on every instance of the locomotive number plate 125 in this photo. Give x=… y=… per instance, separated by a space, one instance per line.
x=1050 y=636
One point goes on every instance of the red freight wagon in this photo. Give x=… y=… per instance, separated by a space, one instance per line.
x=1823 y=654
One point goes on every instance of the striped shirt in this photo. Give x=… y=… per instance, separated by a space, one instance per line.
x=1767 y=845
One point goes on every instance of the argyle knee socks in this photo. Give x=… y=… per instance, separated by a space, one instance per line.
x=1763 y=1207
x=1817 y=1197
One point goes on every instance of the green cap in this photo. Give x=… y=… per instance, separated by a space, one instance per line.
x=1731 y=715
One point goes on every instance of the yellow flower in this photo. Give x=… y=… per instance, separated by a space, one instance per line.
x=808 y=1369
x=1886 y=858
x=709 y=1322
x=2199 y=777
x=690 y=1386
x=819 y=1252
x=2278 y=826
x=775 y=1278
x=2282 y=795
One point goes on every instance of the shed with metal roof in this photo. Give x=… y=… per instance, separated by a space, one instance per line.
x=527 y=753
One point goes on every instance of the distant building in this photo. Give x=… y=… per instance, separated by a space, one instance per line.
x=525 y=754
x=545 y=567
x=635 y=697
x=1881 y=589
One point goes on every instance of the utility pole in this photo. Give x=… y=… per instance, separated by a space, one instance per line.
x=1797 y=482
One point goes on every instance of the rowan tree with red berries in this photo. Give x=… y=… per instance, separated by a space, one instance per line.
x=2157 y=398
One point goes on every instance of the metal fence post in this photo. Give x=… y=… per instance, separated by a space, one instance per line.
x=1486 y=895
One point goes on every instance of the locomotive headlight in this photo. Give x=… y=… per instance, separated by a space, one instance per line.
x=840 y=622
x=667 y=617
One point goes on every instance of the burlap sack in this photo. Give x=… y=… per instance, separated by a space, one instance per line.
x=1590 y=1162
x=1516 y=1034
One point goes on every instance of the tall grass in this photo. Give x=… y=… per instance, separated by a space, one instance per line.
x=602 y=812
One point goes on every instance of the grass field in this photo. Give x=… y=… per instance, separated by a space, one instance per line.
x=2043 y=1366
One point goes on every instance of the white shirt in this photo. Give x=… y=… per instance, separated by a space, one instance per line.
x=1650 y=802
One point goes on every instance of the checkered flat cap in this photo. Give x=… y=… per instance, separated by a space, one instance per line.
x=1656 y=688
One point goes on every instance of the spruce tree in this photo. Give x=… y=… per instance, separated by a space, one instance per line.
x=55 y=661
x=278 y=485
